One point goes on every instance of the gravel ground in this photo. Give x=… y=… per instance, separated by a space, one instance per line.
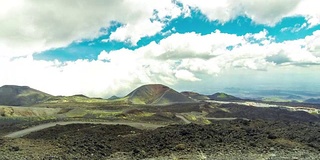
x=239 y=139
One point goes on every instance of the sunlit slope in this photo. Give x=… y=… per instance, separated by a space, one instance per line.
x=223 y=97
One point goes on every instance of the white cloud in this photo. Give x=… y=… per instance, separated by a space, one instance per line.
x=221 y=10
x=310 y=10
x=295 y=28
x=34 y=26
x=118 y=72
x=313 y=43
x=186 y=75
x=261 y=35
x=260 y=11
x=268 y=12
x=133 y=33
x=7 y=6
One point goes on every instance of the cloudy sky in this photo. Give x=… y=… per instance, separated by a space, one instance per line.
x=102 y=48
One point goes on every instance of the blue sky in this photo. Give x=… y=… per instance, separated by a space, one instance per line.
x=197 y=22
x=104 y=48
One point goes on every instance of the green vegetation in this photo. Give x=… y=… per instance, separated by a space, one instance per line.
x=223 y=97
x=196 y=117
x=275 y=99
x=76 y=98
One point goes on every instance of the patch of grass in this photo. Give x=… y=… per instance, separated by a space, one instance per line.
x=137 y=101
x=77 y=112
x=103 y=114
x=222 y=96
x=196 y=117
x=82 y=99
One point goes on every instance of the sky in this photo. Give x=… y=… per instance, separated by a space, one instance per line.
x=102 y=48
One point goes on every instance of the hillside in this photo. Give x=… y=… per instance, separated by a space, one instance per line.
x=21 y=95
x=195 y=95
x=313 y=101
x=156 y=94
x=223 y=97
x=73 y=99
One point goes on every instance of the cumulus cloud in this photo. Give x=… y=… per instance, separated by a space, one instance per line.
x=186 y=75
x=133 y=33
x=278 y=58
x=260 y=11
x=308 y=9
x=93 y=78
x=34 y=26
x=112 y=74
x=156 y=63
x=313 y=43
x=156 y=13
x=268 y=12
x=222 y=10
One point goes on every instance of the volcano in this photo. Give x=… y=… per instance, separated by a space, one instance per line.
x=157 y=94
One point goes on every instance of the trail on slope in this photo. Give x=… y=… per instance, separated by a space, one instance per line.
x=157 y=100
x=27 y=131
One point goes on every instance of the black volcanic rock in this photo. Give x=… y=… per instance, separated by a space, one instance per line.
x=21 y=95
x=90 y=141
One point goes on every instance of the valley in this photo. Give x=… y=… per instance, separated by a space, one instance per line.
x=154 y=121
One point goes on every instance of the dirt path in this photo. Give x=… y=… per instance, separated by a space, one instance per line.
x=226 y=119
x=157 y=100
x=183 y=118
x=24 y=132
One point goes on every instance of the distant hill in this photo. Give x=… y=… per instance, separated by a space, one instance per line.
x=196 y=96
x=156 y=94
x=79 y=98
x=223 y=97
x=313 y=101
x=13 y=95
x=294 y=97
x=113 y=97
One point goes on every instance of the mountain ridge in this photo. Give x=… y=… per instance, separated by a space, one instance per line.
x=152 y=94
x=21 y=95
x=156 y=94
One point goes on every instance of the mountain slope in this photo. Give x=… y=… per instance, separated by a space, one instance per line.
x=156 y=94
x=223 y=97
x=195 y=95
x=21 y=95
x=313 y=101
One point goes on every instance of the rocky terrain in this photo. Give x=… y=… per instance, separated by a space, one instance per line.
x=196 y=126
x=219 y=140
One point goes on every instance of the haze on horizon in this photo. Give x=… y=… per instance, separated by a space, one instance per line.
x=102 y=48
